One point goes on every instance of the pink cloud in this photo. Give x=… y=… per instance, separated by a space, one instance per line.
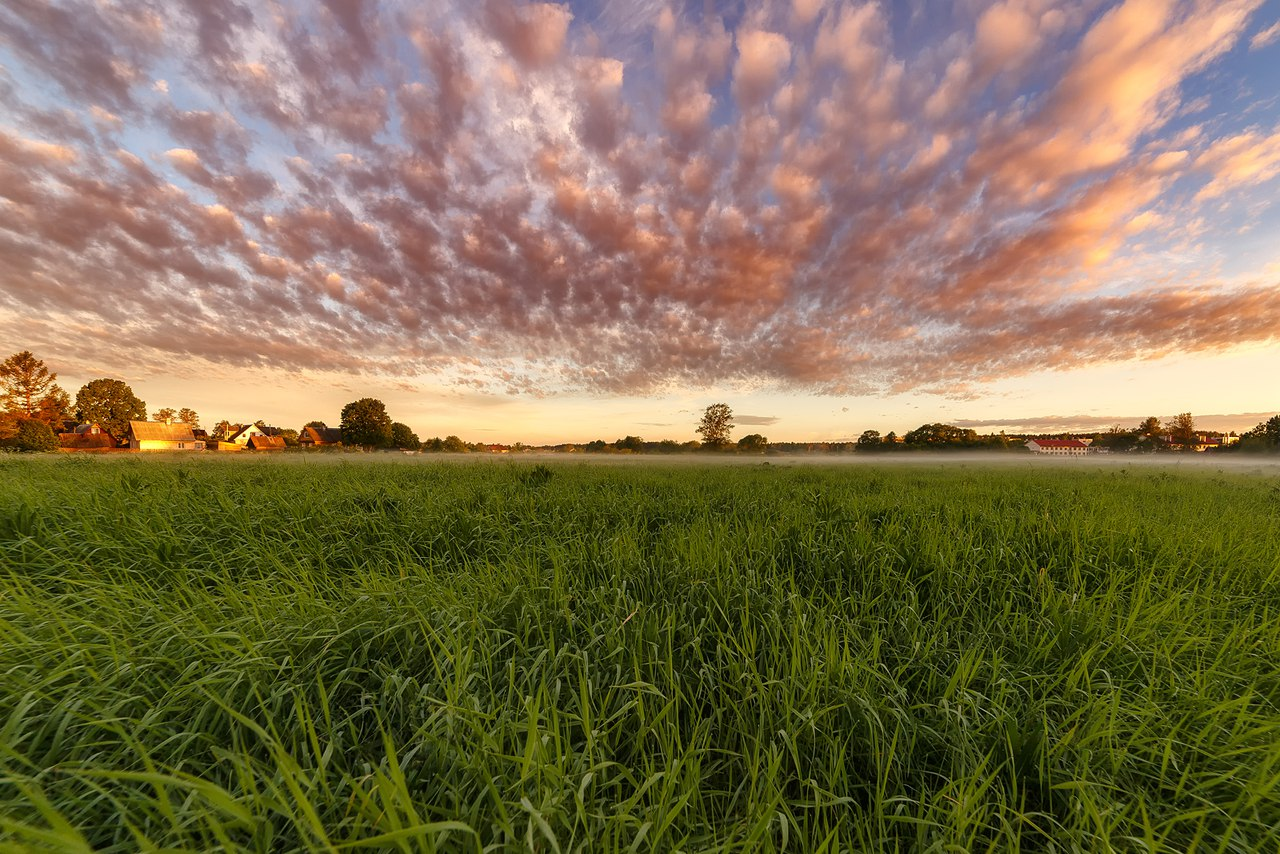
x=811 y=201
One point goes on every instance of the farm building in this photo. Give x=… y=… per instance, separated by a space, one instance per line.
x=162 y=436
x=263 y=442
x=242 y=436
x=319 y=437
x=87 y=437
x=1059 y=447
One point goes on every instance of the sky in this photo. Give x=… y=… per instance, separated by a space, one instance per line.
x=550 y=222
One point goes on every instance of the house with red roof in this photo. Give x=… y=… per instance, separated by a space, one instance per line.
x=1059 y=447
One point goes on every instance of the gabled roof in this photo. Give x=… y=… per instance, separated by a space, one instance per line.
x=240 y=431
x=158 y=431
x=267 y=443
x=81 y=429
x=321 y=435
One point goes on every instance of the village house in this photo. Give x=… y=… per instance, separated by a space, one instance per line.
x=1059 y=447
x=87 y=437
x=162 y=436
x=242 y=436
x=263 y=442
x=319 y=437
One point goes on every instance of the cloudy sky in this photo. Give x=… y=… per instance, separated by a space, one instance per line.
x=558 y=222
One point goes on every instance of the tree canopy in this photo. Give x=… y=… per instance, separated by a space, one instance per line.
x=28 y=390
x=940 y=434
x=716 y=425
x=35 y=435
x=111 y=403
x=404 y=438
x=365 y=423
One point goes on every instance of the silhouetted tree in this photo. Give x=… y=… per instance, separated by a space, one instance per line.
x=940 y=435
x=753 y=443
x=454 y=445
x=1151 y=433
x=715 y=426
x=168 y=413
x=1182 y=431
x=187 y=415
x=870 y=440
x=1117 y=439
x=634 y=444
x=403 y=437
x=365 y=422
x=1264 y=437
x=111 y=403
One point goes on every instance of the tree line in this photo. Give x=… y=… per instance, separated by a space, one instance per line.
x=34 y=409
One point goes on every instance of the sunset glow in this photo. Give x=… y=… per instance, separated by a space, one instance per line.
x=547 y=222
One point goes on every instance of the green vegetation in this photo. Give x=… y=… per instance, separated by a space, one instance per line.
x=312 y=653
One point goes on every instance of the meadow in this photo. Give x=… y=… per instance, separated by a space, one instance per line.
x=351 y=654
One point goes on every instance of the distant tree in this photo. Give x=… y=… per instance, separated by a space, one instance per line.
x=187 y=415
x=1182 y=431
x=290 y=437
x=753 y=443
x=940 y=435
x=223 y=429
x=595 y=447
x=1151 y=433
x=1264 y=437
x=1117 y=439
x=715 y=426
x=404 y=438
x=668 y=446
x=690 y=446
x=168 y=413
x=319 y=425
x=454 y=445
x=870 y=440
x=631 y=444
x=365 y=423
x=434 y=445
x=29 y=390
x=35 y=435
x=110 y=403
x=891 y=439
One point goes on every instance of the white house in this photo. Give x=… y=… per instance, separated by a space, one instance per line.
x=1059 y=447
x=242 y=436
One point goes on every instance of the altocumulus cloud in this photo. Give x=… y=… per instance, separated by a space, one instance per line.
x=536 y=197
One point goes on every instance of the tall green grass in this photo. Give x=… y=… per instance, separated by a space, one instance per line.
x=234 y=655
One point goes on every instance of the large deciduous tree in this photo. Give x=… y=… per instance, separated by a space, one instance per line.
x=111 y=403
x=365 y=422
x=167 y=413
x=940 y=435
x=187 y=415
x=28 y=390
x=715 y=426
x=1182 y=431
x=403 y=437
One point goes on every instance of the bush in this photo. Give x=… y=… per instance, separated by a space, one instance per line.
x=36 y=436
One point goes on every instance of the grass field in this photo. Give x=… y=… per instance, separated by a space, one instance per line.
x=285 y=655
